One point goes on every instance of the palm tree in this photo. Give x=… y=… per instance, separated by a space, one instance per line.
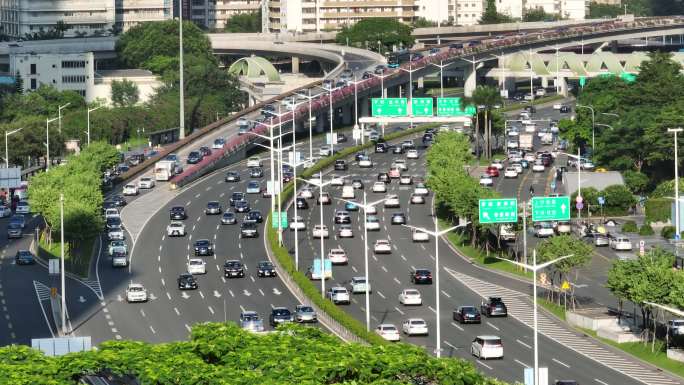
x=485 y=97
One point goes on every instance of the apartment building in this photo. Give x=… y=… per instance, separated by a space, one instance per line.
x=82 y=17
x=215 y=13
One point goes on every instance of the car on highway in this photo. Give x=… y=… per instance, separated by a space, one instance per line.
x=415 y=327
x=620 y=243
x=228 y=218
x=485 y=347
x=301 y=203
x=194 y=157
x=394 y=173
x=384 y=178
x=250 y=320
x=381 y=147
x=146 y=183
x=130 y=189
x=256 y=172
x=113 y=223
x=420 y=236
x=392 y=201
x=320 y=231
x=563 y=227
x=112 y=234
x=242 y=207
x=338 y=256
x=24 y=257
x=345 y=231
x=253 y=187
x=324 y=199
x=305 y=314
x=249 y=230
x=205 y=151
x=342 y=216
x=340 y=165
x=136 y=292
x=382 y=246
x=266 y=269
x=233 y=269
x=254 y=161
x=177 y=213
x=497 y=164
x=359 y=285
x=357 y=184
x=22 y=207
x=203 y=247
x=325 y=150
x=118 y=245
x=398 y=219
x=235 y=197
x=186 y=281
x=538 y=166
x=213 y=208
x=405 y=180
x=517 y=166
x=420 y=276
x=196 y=266
x=218 y=143
x=306 y=192
x=598 y=239
x=416 y=199
x=365 y=162
x=254 y=216
x=280 y=315
x=297 y=223
x=372 y=223
x=119 y=259
x=587 y=165
x=467 y=314
x=379 y=187
x=400 y=164
x=336 y=180
x=543 y=230
x=511 y=172
x=397 y=149
x=410 y=297
x=412 y=154
x=348 y=192
x=339 y=295
x=389 y=332
x=6 y=211
x=564 y=110
x=494 y=307
x=486 y=180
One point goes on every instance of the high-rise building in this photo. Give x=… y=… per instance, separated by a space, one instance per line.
x=81 y=17
x=215 y=13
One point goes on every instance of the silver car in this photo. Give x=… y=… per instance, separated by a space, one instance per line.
x=250 y=320
x=305 y=313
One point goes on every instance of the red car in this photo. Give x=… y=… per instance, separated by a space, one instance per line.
x=492 y=171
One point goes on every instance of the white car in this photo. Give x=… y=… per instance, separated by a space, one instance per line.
x=512 y=143
x=5 y=211
x=175 y=229
x=22 y=207
x=410 y=297
x=253 y=162
x=415 y=327
x=345 y=231
x=297 y=223
x=359 y=285
x=382 y=246
x=339 y=295
x=620 y=244
x=530 y=157
x=337 y=181
x=306 y=193
x=321 y=231
x=365 y=162
x=389 y=332
x=400 y=164
x=130 y=189
x=136 y=292
x=112 y=213
x=405 y=179
x=563 y=227
x=485 y=347
x=587 y=165
x=116 y=234
x=486 y=180
x=498 y=164
x=119 y=260
x=146 y=182
x=412 y=154
x=325 y=151
x=557 y=106
x=543 y=230
x=417 y=199
x=420 y=236
x=372 y=210
x=392 y=201
x=197 y=266
x=218 y=143
x=517 y=167
x=421 y=189
x=511 y=172
x=372 y=223
x=337 y=256
x=538 y=166
x=379 y=187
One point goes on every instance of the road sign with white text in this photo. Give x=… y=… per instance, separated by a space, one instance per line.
x=551 y=208
x=498 y=210
x=421 y=106
x=385 y=107
x=283 y=219
x=449 y=107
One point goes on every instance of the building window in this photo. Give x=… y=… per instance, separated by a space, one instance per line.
x=73 y=79
x=73 y=64
x=33 y=84
x=33 y=69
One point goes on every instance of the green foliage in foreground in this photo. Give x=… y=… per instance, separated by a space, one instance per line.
x=224 y=354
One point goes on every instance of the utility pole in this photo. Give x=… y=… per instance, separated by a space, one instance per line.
x=61 y=270
x=182 y=83
x=675 y=131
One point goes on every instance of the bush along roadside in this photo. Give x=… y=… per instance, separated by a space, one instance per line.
x=287 y=261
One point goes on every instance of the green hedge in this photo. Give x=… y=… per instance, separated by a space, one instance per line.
x=646 y=229
x=658 y=209
x=286 y=260
x=630 y=227
x=668 y=232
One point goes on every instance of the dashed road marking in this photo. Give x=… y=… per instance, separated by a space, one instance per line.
x=176 y=310
x=457 y=326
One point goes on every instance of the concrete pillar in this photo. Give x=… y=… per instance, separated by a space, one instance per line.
x=470 y=81
x=251 y=100
x=400 y=90
x=295 y=64
x=545 y=82
x=421 y=83
x=321 y=122
x=510 y=85
x=347 y=115
x=364 y=107
x=563 y=86
x=384 y=92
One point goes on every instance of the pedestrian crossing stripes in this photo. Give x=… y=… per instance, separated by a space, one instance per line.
x=42 y=291
x=95 y=287
x=520 y=308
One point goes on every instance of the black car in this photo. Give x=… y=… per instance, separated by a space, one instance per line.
x=254 y=216
x=421 y=276
x=236 y=197
x=205 y=151
x=228 y=218
x=213 y=208
x=117 y=201
x=398 y=219
x=494 y=307
x=233 y=268
x=242 y=207
x=280 y=315
x=249 y=230
x=530 y=109
x=232 y=176
x=287 y=176
x=340 y=165
x=398 y=149
x=256 y=172
x=381 y=147
x=177 y=213
x=203 y=247
x=467 y=314
x=359 y=155
x=24 y=257
x=194 y=157
x=113 y=223
x=342 y=217
x=187 y=282
x=565 y=110
x=341 y=138
x=383 y=177
x=357 y=184
x=302 y=204
x=265 y=269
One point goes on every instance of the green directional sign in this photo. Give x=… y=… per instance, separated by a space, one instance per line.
x=498 y=210
x=449 y=107
x=582 y=81
x=628 y=77
x=471 y=110
x=283 y=219
x=387 y=107
x=551 y=208
x=421 y=106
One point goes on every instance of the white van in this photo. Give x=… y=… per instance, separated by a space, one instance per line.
x=348 y=192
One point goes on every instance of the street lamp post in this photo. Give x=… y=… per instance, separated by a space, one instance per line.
x=593 y=123
x=59 y=115
x=382 y=83
x=7 y=134
x=309 y=97
x=675 y=131
x=47 y=141
x=534 y=267
x=89 y=111
x=441 y=76
x=181 y=135
x=365 y=208
x=437 y=235
x=330 y=92
x=61 y=270
x=356 y=106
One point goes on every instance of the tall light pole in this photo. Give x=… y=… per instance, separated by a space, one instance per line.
x=593 y=123
x=675 y=131
x=557 y=71
x=89 y=111
x=294 y=165
x=382 y=83
x=534 y=267
x=181 y=126
x=437 y=235
x=365 y=208
x=59 y=115
x=441 y=76
x=61 y=270
x=7 y=134
x=356 y=106
x=310 y=98
x=330 y=92
x=47 y=141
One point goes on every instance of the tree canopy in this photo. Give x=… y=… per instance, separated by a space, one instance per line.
x=537 y=14
x=492 y=16
x=383 y=31
x=244 y=22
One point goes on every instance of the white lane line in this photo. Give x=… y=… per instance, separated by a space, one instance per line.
x=159 y=269
x=163 y=282
x=160 y=247
x=483 y=364
x=242 y=308
x=199 y=218
x=375 y=258
x=600 y=382
x=397 y=281
x=188 y=327
x=521 y=363
x=197 y=195
x=218 y=268
x=404 y=258
x=211 y=310
x=433 y=310
x=201 y=294
x=142 y=312
x=354 y=269
x=252 y=278
x=446 y=294
x=457 y=326
x=159 y=258
x=492 y=325
x=262 y=292
x=383 y=268
x=187 y=203
x=231 y=293
x=447 y=343
x=523 y=344
x=176 y=310
x=560 y=363
x=168 y=295
x=399 y=310
x=151 y=328
x=381 y=295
